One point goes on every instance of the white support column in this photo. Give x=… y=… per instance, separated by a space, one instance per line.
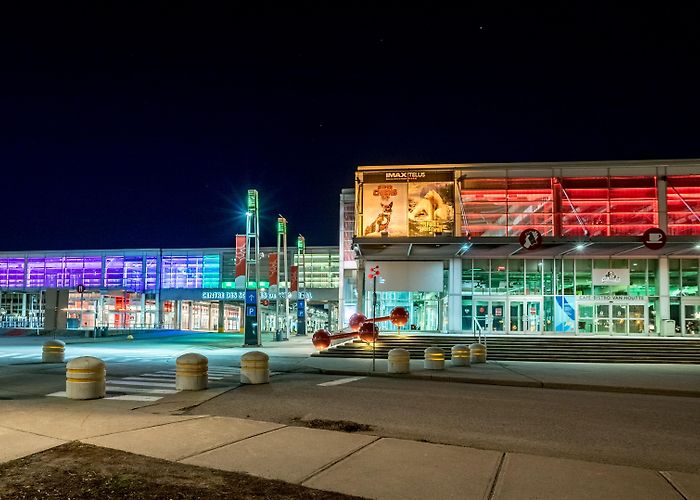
x=664 y=294
x=361 y=286
x=663 y=210
x=454 y=296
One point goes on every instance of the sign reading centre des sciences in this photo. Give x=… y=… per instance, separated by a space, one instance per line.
x=224 y=294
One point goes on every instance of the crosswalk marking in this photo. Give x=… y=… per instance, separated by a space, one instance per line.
x=340 y=381
x=134 y=397
x=118 y=388
x=153 y=386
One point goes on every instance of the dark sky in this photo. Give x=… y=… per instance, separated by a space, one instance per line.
x=126 y=125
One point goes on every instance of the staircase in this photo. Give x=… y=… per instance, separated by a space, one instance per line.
x=564 y=349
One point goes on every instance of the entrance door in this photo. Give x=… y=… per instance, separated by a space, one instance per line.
x=619 y=319
x=690 y=320
x=524 y=315
x=489 y=315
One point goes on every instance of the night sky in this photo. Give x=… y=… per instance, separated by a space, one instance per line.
x=130 y=126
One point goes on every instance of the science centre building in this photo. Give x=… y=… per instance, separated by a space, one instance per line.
x=579 y=248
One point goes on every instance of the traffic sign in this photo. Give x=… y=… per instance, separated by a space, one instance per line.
x=81 y=288
x=654 y=238
x=530 y=239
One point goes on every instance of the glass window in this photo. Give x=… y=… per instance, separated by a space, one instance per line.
x=652 y=276
x=549 y=276
x=533 y=277
x=674 y=277
x=567 y=287
x=481 y=276
x=516 y=277
x=638 y=277
x=499 y=276
x=584 y=275
x=467 y=278
x=689 y=277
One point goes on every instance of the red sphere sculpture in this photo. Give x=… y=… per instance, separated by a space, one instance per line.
x=369 y=332
x=321 y=339
x=356 y=321
x=399 y=316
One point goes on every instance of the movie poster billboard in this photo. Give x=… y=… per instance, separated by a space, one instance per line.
x=385 y=209
x=430 y=208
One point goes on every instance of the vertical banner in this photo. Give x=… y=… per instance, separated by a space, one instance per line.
x=272 y=268
x=294 y=279
x=240 y=255
x=565 y=313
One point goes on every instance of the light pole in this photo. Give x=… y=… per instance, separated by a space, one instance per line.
x=301 y=301
x=252 y=288
x=282 y=251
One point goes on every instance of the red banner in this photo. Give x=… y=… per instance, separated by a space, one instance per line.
x=240 y=255
x=272 y=266
x=294 y=279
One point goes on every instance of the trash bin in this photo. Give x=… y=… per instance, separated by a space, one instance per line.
x=668 y=327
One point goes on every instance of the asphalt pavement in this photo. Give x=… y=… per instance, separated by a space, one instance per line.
x=359 y=463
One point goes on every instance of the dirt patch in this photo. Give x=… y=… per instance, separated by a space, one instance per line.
x=82 y=471
x=336 y=425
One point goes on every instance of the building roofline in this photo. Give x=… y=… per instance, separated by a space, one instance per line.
x=559 y=164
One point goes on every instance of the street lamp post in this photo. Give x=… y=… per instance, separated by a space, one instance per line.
x=301 y=301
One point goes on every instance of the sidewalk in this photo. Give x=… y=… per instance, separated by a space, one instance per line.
x=357 y=464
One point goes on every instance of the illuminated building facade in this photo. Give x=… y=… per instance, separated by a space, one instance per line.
x=190 y=289
x=582 y=248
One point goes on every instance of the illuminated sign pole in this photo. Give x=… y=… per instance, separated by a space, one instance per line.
x=252 y=268
x=301 y=298
x=373 y=275
x=282 y=334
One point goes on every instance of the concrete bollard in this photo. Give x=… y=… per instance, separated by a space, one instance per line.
x=434 y=358
x=399 y=361
x=254 y=368
x=191 y=372
x=478 y=353
x=53 y=351
x=461 y=355
x=85 y=378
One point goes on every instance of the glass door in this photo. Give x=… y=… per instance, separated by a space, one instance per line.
x=691 y=317
x=525 y=316
x=489 y=316
x=613 y=319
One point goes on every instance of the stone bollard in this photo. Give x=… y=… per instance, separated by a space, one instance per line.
x=53 y=351
x=478 y=353
x=460 y=355
x=191 y=372
x=399 y=361
x=85 y=378
x=254 y=368
x=434 y=358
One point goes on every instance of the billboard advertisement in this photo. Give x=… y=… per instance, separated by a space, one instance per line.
x=430 y=208
x=408 y=203
x=385 y=209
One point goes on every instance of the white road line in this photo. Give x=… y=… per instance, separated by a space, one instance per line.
x=7 y=355
x=117 y=388
x=61 y=394
x=341 y=381
x=25 y=356
x=134 y=397
x=145 y=384
x=148 y=379
x=155 y=375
